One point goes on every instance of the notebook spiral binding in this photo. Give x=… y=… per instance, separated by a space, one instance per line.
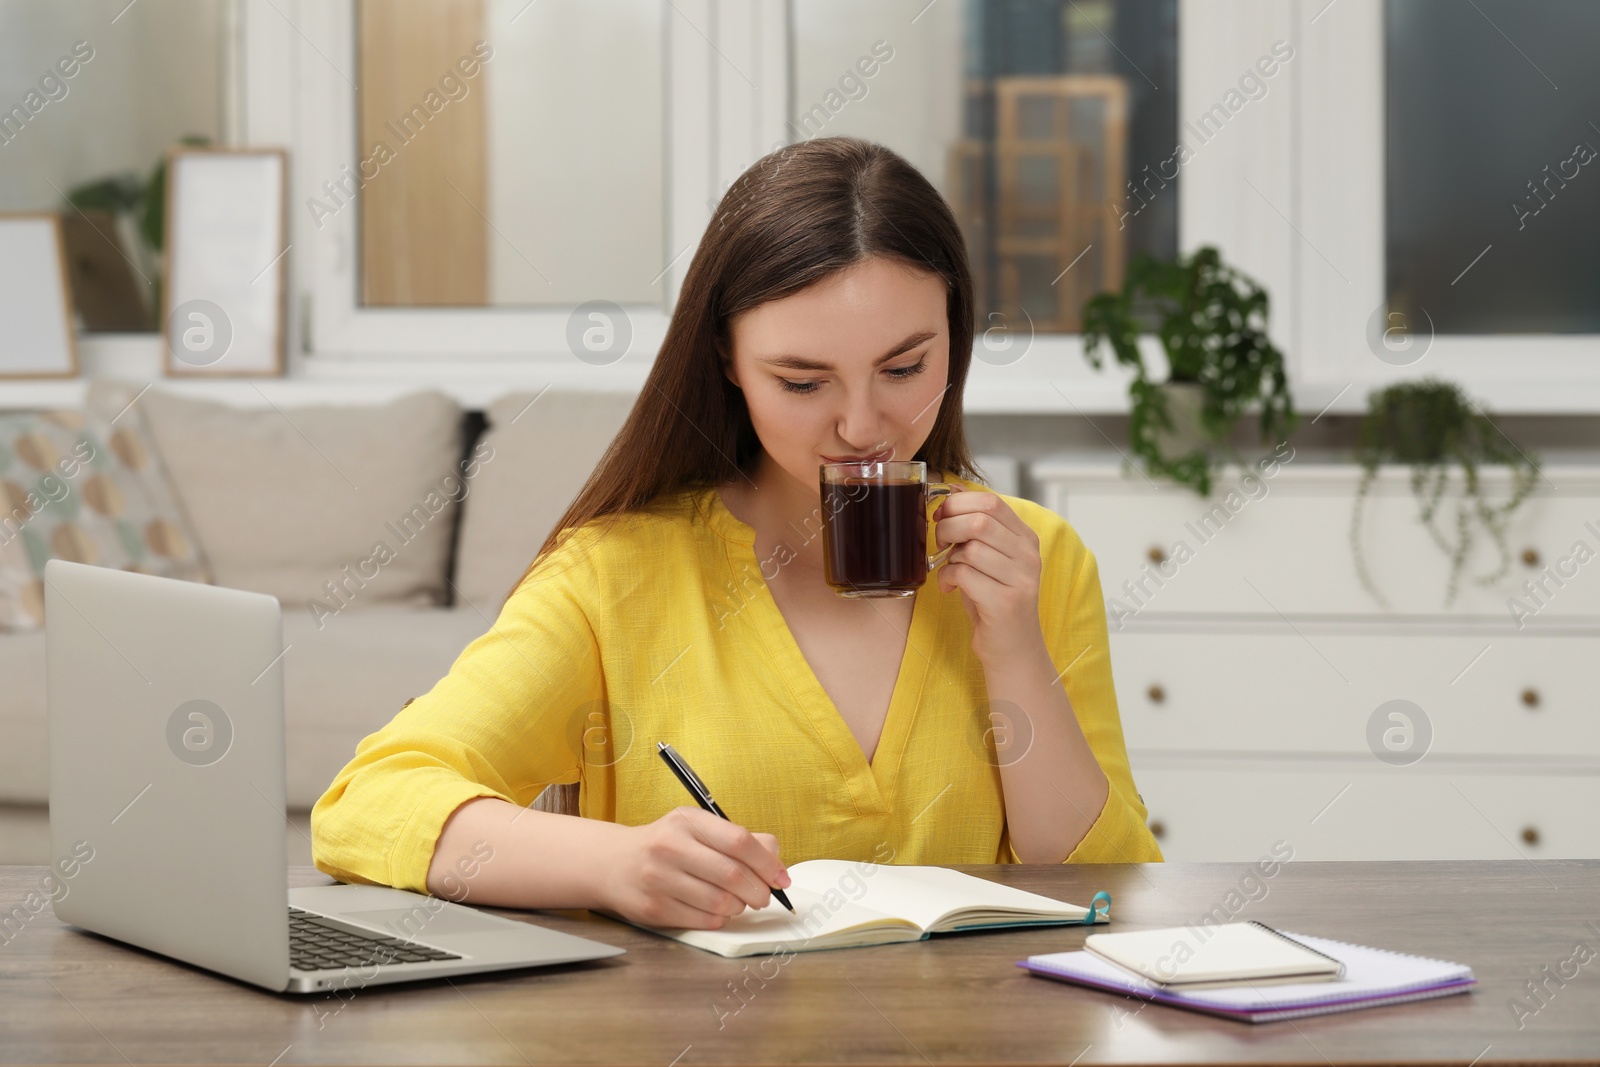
x=1298 y=944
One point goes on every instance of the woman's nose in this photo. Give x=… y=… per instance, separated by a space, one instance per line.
x=862 y=424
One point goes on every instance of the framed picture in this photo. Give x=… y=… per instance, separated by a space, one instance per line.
x=37 y=340
x=226 y=262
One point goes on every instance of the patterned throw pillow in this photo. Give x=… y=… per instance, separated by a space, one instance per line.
x=86 y=486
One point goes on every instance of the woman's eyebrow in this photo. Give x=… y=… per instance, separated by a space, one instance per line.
x=800 y=363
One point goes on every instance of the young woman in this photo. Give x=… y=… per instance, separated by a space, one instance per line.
x=827 y=315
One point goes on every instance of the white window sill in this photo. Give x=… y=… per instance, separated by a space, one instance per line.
x=1049 y=380
x=1052 y=378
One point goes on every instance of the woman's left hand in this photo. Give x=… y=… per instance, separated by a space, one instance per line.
x=996 y=565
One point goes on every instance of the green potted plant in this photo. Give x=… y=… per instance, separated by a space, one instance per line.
x=1432 y=426
x=1212 y=321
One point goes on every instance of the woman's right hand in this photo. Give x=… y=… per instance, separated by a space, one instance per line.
x=690 y=869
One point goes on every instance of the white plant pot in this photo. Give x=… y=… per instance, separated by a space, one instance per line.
x=1184 y=401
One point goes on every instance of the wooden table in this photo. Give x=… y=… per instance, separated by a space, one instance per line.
x=69 y=997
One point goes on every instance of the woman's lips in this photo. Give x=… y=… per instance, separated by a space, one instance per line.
x=876 y=457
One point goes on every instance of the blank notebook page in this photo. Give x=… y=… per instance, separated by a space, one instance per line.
x=924 y=894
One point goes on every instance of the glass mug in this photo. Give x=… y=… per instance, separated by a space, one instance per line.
x=875 y=527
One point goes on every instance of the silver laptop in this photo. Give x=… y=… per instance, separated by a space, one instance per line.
x=167 y=802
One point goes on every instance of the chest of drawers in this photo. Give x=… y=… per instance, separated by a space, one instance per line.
x=1267 y=696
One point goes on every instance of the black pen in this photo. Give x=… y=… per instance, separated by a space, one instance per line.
x=702 y=796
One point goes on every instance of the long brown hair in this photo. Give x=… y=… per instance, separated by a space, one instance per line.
x=795 y=217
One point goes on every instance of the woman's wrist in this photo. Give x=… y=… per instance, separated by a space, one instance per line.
x=526 y=858
x=1016 y=660
x=604 y=867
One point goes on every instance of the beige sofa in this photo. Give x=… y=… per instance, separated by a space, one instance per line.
x=293 y=502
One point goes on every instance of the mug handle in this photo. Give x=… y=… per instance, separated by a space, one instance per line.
x=936 y=491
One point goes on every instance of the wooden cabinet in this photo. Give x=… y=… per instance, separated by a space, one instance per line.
x=1265 y=695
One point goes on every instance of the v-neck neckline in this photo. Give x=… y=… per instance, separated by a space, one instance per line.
x=871 y=782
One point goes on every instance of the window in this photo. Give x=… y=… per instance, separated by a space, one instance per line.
x=92 y=96
x=510 y=152
x=1493 y=194
x=1042 y=122
x=1311 y=143
x=1418 y=127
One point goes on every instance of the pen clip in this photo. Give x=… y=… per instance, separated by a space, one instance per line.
x=690 y=778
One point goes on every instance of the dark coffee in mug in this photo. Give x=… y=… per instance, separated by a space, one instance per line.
x=875 y=527
x=876 y=538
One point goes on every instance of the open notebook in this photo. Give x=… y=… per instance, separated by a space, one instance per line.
x=845 y=904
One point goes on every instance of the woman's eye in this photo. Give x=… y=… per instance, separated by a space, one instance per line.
x=912 y=371
x=898 y=373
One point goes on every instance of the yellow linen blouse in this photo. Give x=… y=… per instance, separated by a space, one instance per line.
x=664 y=629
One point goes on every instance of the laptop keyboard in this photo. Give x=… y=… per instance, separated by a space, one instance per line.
x=317 y=943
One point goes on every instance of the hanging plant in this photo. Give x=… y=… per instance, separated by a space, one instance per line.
x=1434 y=427
x=1212 y=321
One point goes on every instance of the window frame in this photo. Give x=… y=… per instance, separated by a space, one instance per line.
x=1339 y=165
x=297 y=59
x=1295 y=177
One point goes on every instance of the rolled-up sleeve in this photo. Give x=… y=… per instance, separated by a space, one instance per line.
x=1073 y=618
x=502 y=723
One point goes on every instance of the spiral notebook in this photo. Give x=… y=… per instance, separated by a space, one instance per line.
x=1371 y=977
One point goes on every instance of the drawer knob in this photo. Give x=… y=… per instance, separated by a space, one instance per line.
x=1530 y=557
x=1157 y=555
x=1530 y=835
x=1530 y=697
x=1158 y=829
x=1157 y=694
